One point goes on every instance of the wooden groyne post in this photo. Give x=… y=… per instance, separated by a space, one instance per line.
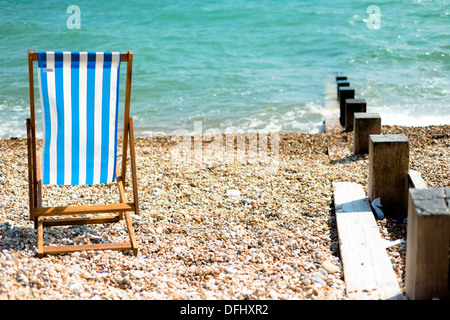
x=388 y=172
x=427 y=246
x=344 y=94
x=352 y=106
x=341 y=83
x=364 y=124
x=340 y=76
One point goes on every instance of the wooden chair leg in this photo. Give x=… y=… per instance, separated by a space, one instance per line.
x=40 y=227
x=133 y=166
x=122 y=193
x=30 y=171
x=38 y=183
x=38 y=188
x=135 y=189
x=131 y=234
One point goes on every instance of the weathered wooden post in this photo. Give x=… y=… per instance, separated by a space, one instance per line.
x=388 y=172
x=341 y=83
x=364 y=124
x=427 y=244
x=340 y=76
x=344 y=94
x=352 y=106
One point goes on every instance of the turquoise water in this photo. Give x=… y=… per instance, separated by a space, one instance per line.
x=247 y=65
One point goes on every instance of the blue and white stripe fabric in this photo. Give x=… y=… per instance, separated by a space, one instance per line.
x=79 y=97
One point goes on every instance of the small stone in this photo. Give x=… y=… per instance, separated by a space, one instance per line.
x=322 y=271
x=330 y=267
x=318 y=280
x=177 y=249
x=233 y=193
x=318 y=274
x=96 y=239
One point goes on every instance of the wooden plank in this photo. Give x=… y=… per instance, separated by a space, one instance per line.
x=330 y=88
x=81 y=221
x=415 y=180
x=332 y=123
x=331 y=108
x=33 y=56
x=86 y=247
x=96 y=208
x=368 y=272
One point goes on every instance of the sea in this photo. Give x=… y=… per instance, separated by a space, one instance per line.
x=248 y=65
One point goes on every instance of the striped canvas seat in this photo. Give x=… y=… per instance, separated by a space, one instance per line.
x=79 y=97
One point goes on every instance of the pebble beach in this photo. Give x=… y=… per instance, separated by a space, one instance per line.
x=225 y=231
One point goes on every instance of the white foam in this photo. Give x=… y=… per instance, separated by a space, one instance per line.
x=411 y=117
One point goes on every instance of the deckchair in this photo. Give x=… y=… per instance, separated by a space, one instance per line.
x=79 y=94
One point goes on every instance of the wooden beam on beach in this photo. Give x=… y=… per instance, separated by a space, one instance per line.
x=341 y=83
x=388 y=172
x=415 y=180
x=352 y=106
x=344 y=94
x=331 y=121
x=368 y=272
x=364 y=124
x=332 y=125
x=428 y=230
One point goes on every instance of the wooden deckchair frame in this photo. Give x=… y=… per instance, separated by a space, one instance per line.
x=38 y=214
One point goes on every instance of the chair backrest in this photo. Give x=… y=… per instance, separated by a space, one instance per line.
x=79 y=94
